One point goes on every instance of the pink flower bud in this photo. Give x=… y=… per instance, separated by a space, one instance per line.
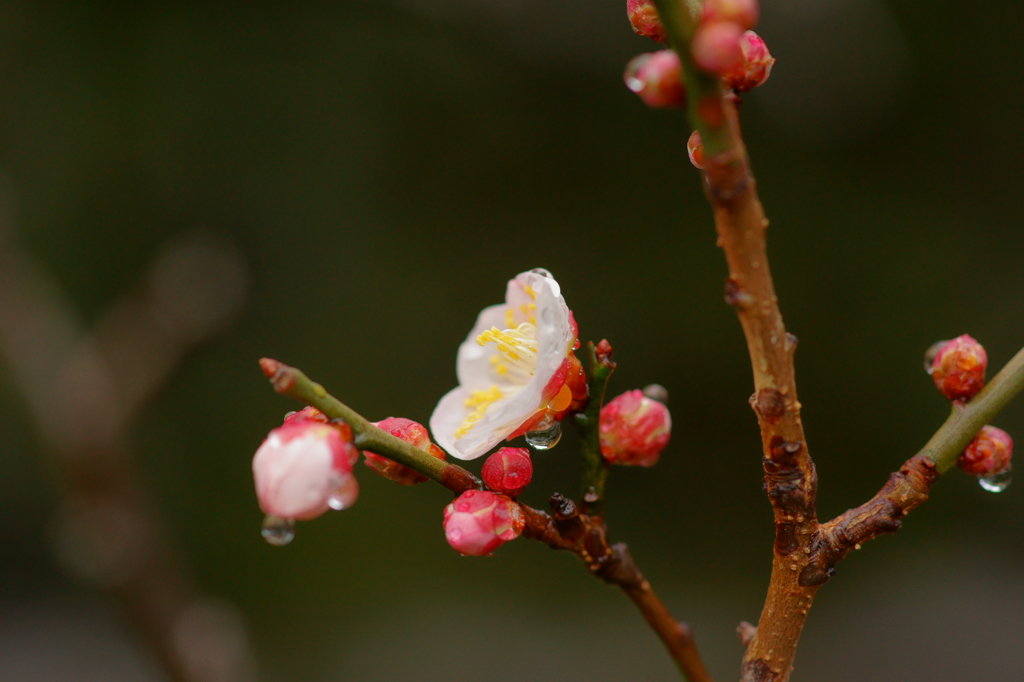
x=696 y=150
x=306 y=414
x=657 y=77
x=743 y=12
x=989 y=453
x=634 y=429
x=643 y=17
x=958 y=367
x=754 y=66
x=412 y=433
x=716 y=46
x=479 y=521
x=299 y=467
x=508 y=471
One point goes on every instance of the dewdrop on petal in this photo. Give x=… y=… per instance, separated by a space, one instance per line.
x=634 y=429
x=657 y=77
x=479 y=521
x=753 y=67
x=716 y=46
x=643 y=17
x=411 y=432
x=300 y=466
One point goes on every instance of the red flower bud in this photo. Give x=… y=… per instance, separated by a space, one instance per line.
x=308 y=414
x=743 y=12
x=695 y=150
x=479 y=521
x=753 y=67
x=508 y=471
x=412 y=433
x=958 y=367
x=299 y=468
x=657 y=77
x=643 y=17
x=989 y=453
x=716 y=46
x=634 y=429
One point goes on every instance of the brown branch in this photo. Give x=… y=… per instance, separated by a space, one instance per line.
x=565 y=528
x=790 y=478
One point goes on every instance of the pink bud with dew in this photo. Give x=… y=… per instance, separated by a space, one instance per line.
x=412 y=433
x=958 y=367
x=657 y=77
x=299 y=468
x=695 y=150
x=643 y=17
x=743 y=12
x=716 y=46
x=479 y=521
x=754 y=66
x=508 y=471
x=634 y=429
x=305 y=415
x=989 y=453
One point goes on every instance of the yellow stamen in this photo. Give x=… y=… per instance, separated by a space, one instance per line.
x=510 y=318
x=530 y=292
x=516 y=346
x=479 y=400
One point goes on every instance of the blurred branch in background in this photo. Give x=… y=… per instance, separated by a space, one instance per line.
x=83 y=387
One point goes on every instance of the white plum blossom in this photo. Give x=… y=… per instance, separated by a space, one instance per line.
x=508 y=367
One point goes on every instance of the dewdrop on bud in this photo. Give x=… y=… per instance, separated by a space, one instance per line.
x=411 y=432
x=508 y=471
x=958 y=367
x=479 y=521
x=634 y=429
x=306 y=414
x=695 y=150
x=743 y=12
x=716 y=46
x=299 y=467
x=988 y=458
x=657 y=77
x=643 y=17
x=753 y=67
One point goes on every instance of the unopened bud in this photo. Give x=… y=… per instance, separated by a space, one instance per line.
x=643 y=17
x=958 y=367
x=479 y=521
x=754 y=66
x=508 y=471
x=716 y=46
x=634 y=429
x=411 y=432
x=695 y=150
x=305 y=415
x=657 y=77
x=299 y=468
x=743 y=12
x=989 y=453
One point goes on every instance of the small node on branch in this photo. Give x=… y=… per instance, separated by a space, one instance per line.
x=746 y=631
x=736 y=296
x=957 y=367
x=603 y=352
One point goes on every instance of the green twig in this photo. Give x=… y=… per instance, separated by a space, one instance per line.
x=291 y=382
x=967 y=419
x=595 y=469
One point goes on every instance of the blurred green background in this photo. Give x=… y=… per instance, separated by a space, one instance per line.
x=384 y=168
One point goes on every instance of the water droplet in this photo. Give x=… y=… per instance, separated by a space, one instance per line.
x=345 y=496
x=542 y=272
x=545 y=436
x=590 y=495
x=996 y=483
x=633 y=82
x=656 y=392
x=930 y=354
x=278 y=531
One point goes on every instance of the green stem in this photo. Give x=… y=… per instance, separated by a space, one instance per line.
x=595 y=469
x=967 y=419
x=293 y=383
x=704 y=97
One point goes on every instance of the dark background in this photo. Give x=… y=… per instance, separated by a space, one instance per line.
x=384 y=168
